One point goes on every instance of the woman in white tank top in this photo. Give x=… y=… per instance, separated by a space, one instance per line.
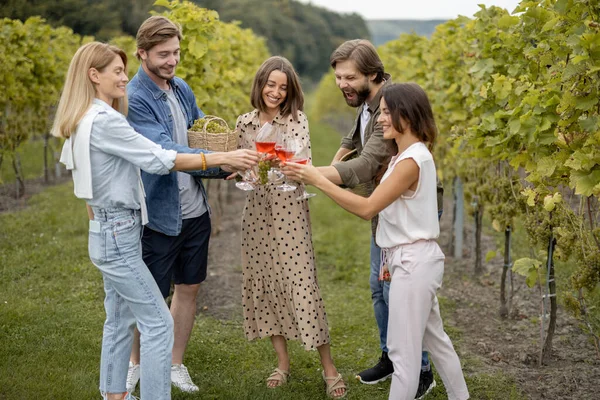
x=408 y=226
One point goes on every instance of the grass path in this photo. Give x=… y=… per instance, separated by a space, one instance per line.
x=51 y=311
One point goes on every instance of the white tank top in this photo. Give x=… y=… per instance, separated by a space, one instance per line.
x=414 y=215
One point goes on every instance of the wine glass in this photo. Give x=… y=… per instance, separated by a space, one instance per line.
x=266 y=139
x=247 y=182
x=302 y=156
x=285 y=150
x=265 y=142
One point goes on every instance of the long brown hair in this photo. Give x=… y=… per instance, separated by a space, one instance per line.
x=294 y=100
x=79 y=91
x=410 y=102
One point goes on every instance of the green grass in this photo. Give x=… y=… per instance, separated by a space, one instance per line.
x=31 y=154
x=51 y=311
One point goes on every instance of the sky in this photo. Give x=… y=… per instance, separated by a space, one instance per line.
x=413 y=9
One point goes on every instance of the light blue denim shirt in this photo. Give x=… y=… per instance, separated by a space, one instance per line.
x=117 y=153
x=150 y=115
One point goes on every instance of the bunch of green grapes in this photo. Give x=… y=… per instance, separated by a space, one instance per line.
x=213 y=126
x=263 y=171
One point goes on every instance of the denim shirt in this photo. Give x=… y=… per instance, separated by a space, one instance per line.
x=149 y=114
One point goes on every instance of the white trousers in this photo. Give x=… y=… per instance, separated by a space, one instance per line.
x=415 y=324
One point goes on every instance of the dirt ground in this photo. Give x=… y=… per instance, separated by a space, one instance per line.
x=507 y=346
x=511 y=346
x=9 y=200
x=494 y=345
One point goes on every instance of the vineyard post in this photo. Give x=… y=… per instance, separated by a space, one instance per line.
x=57 y=167
x=458 y=218
x=550 y=293
x=507 y=265
x=478 y=231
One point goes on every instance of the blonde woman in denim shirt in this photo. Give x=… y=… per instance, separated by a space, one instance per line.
x=105 y=155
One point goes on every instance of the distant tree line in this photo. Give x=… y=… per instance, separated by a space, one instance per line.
x=103 y=19
x=304 y=33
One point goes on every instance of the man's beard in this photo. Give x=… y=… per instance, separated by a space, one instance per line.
x=158 y=72
x=360 y=96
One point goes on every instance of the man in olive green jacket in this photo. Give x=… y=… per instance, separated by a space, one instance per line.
x=360 y=75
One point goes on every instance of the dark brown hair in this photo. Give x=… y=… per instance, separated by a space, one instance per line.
x=155 y=30
x=409 y=102
x=294 y=100
x=364 y=55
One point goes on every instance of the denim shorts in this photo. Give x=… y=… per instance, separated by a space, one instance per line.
x=183 y=258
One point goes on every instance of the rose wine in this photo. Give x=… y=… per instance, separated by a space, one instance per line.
x=300 y=161
x=284 y=154
x=265 y=147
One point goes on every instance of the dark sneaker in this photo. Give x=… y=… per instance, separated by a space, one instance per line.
x=426 y=384
x=379 y=373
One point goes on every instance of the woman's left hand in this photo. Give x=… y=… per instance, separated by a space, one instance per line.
x=306 y=174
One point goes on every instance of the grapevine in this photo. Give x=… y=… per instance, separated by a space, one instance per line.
x=517 y=105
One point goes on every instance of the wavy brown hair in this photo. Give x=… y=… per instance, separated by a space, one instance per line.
x=410 y=102
x=364 y=55
x=155 y=30
x=294 y=100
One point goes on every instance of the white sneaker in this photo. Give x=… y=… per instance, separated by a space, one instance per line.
x=133 y=376
x=180 y=378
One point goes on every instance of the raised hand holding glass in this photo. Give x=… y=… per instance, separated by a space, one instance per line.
x=302 y=156
x=285 y=150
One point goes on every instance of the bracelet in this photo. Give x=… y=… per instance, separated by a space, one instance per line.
x=203 y=161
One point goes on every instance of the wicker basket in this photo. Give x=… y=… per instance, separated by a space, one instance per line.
x=226 y=141
x=362 y=189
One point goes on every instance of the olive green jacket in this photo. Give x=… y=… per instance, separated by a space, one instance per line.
x=376 y=151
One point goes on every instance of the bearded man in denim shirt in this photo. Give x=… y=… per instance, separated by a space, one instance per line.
x=175 y=242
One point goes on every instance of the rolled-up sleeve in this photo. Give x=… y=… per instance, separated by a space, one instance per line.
x=142 y=119
x=347 y=140
x=113 y=135
x=363 y=168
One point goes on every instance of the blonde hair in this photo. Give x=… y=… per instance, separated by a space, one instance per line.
x=79 y=91
x=155 y=30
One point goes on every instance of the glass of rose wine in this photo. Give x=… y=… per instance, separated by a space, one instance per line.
x=265 y=144
x=285 y=150
x=302 y=156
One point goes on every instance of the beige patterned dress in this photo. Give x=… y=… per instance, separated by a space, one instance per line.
x=280 y=294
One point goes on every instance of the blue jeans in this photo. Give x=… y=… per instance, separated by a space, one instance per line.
x=380 y=293
x=132 y=296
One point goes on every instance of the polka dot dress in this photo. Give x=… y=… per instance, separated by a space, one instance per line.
x=280 y=294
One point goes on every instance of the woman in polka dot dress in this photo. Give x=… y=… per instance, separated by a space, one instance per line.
x=280 y=294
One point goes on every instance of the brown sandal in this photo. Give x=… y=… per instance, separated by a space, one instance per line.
x=280 y=376
x=334 y=383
